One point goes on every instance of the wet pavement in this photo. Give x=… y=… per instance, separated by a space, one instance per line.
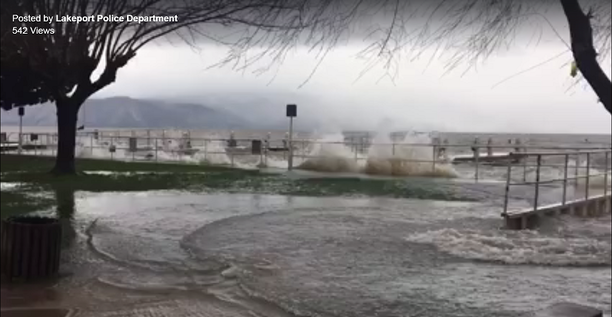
x=38 y=300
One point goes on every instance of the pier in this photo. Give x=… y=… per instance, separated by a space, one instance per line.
x=586 y=201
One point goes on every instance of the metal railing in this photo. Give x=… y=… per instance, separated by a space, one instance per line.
x=590 y=173
x=152 y=147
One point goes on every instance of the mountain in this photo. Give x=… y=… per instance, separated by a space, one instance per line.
x=125 y=112
x=267 y=111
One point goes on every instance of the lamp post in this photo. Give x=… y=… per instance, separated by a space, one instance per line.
x=20 y=143
x=291 y=113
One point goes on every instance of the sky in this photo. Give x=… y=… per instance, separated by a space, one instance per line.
x=505 y=93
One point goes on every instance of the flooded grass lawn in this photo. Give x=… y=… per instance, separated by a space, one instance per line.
x=32 y=174
x=15 y=202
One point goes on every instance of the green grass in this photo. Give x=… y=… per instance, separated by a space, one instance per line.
x=26 y=163
x=15 y=202
x=151 y=176
x=33 y=171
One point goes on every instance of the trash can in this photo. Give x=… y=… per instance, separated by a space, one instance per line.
x=30 y=247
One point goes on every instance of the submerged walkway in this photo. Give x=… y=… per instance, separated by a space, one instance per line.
x=31 y=301
x=527 y=218
x=590 y=205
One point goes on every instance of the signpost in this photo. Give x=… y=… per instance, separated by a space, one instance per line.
x=291 y=113
x=20 y=144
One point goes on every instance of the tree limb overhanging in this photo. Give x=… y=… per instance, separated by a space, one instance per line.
x=464 y=33
x=584 y=51
x=59 y=67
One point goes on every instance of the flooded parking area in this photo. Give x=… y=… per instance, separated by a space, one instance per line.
x=171 y=253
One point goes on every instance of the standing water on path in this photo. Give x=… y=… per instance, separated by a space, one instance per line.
x=182 y=254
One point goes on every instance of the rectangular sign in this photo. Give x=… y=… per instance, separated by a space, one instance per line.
x=291 y=110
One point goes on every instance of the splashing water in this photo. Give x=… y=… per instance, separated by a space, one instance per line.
x=214 y=153
x=406 y=158
x=524 y=247
x=384 y=158
x=331 y=155
x=598 y=180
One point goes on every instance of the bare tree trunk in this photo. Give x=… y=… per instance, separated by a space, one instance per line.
x=584 y=51
x=67 y=117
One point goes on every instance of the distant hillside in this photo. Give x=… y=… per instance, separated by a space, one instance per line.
x=124 y=112
x=267 y=111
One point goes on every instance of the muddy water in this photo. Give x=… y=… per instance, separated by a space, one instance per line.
x=184 y=254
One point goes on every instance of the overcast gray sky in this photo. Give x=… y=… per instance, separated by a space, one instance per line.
x=543 y=99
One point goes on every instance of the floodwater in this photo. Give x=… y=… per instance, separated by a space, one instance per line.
x=170 y=253
x=184 y=254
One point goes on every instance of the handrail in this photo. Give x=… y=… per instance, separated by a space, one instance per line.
x=538 y=181
x=554 y=180
x=596 y=151
x=105 y=135
x=524 y=155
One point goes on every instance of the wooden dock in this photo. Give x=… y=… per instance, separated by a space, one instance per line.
x=530 y=218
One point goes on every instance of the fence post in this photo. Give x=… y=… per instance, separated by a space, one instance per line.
x=606 y=167
x=435 y=157
x=524 y=169
x=266 y=150
x=565 y=170
x=508 y=179
x=156 y=149
x=477 y=162
x=588 y=176
x=112 y=144
x=577 y=168
x=261 y=152
x=206 y=151
x=537 y=183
